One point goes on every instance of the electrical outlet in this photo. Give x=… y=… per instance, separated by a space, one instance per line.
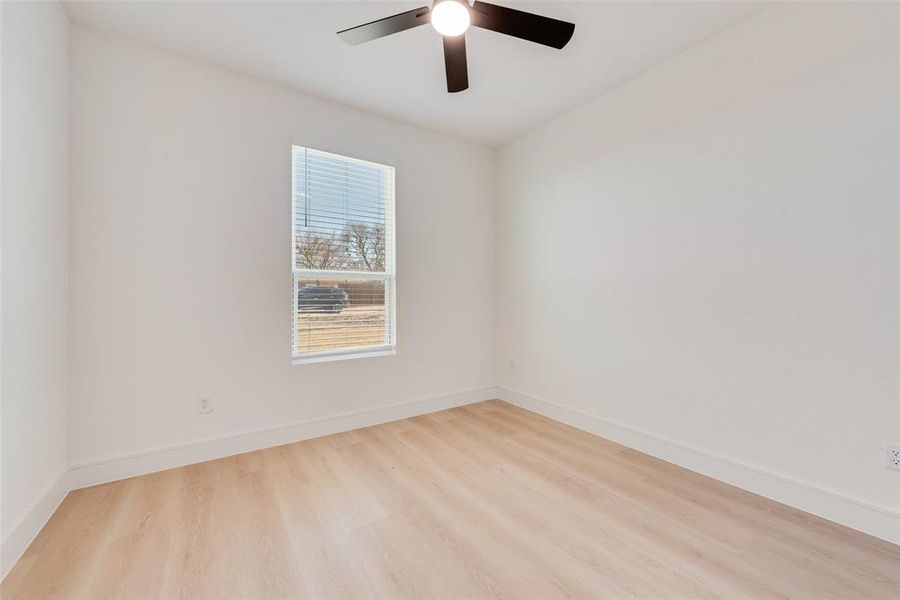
x=892 y=456
x=204 y=405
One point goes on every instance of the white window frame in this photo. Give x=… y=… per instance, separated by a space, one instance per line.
x=389 y=276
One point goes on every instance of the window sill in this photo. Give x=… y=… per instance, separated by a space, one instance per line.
x=350 y=354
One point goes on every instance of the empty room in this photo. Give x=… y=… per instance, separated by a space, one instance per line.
x=450 y=300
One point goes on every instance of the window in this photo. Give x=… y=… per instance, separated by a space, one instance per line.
x=344 y=299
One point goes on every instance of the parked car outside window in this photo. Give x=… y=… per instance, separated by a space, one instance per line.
x=321 y=299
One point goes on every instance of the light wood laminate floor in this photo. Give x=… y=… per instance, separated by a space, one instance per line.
x=482 y=501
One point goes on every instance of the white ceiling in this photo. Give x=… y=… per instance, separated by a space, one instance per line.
x=514 y=85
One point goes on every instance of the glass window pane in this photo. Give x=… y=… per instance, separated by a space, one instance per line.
x=336 y=314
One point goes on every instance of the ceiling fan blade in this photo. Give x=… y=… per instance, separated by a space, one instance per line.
x=455 y=63
x=386 y=26
x=520 y=24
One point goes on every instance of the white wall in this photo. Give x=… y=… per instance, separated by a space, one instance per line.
x=709 y=253
x=34 y=259
x=180 y=281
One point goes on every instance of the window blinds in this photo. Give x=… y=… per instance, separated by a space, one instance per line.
x=344 y=298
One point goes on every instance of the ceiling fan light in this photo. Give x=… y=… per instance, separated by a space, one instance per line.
x=450 y=18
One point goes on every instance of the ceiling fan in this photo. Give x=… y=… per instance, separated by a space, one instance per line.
x=452 y=18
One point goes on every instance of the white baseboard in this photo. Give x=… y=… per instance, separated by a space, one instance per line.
x=879 y=521
x=158 y=459
x=31 y=523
